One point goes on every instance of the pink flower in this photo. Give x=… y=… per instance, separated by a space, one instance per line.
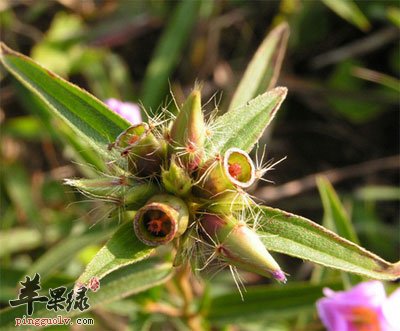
x=365 y=307
x=129 y=111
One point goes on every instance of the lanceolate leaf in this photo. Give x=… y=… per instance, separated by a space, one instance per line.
x=297 y=236
x=335 y=216
x=167 y=52
x=120 y=284
x=242 y=127
x=266 y=302
x=19 y=239
x=348 y=10
x=65 y=251
x=130 y=280
x=337 y=220
x=262 y=72
x=89 y=117
x=87 y=159
x=122 y=249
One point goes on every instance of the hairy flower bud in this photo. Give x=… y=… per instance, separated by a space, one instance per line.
x=176 y=180
x=163 y=218
x=119 y=190
x=130 y=136
x=142 y=149
x=240 y=246
x=188 y=132
x=235 y=170
x=228 y=202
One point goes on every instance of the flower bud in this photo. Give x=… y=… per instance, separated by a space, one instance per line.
x=130 y=136
x=118 y=190
x=236 y=170
x=240 y=246
x=109 y=188
x=138 y=194
x=176 y=180
x=163 y=218
x=228 y=202
x=188 y=131
x=141 y=148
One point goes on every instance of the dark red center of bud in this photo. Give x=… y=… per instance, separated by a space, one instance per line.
x=133 y=139
x=155 y=226
x=158 y=225
x=235 y=170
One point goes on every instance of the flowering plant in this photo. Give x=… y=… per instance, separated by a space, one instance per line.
x=181 y=182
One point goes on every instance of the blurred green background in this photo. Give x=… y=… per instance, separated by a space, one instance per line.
x=340 y=119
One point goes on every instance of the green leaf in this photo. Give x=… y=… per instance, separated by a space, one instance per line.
x=299 y=237
x=59 y=49
x=377 y=77
x=86 y=115
x=342 y=79
x=120 y=284
x=19 y=239
x=121 y=250
x=336 y=220
x=243 y=127
x=335 y=216
x=269 y=302
x=8 y=282
x=168 y=53
x=19 y=190
x=348 y=10
x=378 y=193
x=64 y=251
x=25 y=127
x=393 y=15
x=130 y=280
x=85 y=157
x=263 y=70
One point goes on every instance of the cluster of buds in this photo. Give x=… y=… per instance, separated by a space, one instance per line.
x=197 y=194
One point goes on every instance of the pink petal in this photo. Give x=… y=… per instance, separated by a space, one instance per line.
x=391 y=311
x=129 y=111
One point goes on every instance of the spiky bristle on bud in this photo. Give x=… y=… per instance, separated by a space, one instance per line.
x=228 y=202
x=240 y=246
x=163 y=218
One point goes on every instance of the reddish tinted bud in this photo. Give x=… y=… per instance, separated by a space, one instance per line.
x=162 y=219
x=188 y=132
x=141 y=148
x=235 y=170
x=240 y=246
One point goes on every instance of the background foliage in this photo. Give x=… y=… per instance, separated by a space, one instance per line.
x=340 y=120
